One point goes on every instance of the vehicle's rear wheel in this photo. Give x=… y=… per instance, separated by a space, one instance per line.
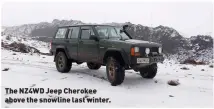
x=63 y=64
x=93 y=66
x=115 y=71
x=149 y=71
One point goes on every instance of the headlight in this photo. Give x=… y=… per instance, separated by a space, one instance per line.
x=136 y=49
x=160 y=49
x=147 y=50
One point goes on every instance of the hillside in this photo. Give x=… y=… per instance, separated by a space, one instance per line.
x=174 y=44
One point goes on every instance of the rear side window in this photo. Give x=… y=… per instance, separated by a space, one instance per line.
x=86 y=32
x=73 y=33
x=61 y=33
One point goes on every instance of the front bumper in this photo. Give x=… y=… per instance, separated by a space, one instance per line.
x=140 y=62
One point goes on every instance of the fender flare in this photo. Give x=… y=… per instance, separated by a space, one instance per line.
x=122 y=53
x=64 y=49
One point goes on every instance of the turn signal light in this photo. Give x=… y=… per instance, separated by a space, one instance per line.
x=134 y=53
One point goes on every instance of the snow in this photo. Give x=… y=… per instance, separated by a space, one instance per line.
x=195 y=89
x=40 y=45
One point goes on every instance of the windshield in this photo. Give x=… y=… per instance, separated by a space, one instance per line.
x=122 y=34
x=110 y=32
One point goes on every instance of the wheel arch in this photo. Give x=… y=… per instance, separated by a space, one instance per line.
x=62 y=49
x=118 y=54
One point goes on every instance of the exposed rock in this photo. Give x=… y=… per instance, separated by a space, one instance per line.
x=185 y=68
x=171 y=96
x=192 y=61
x=20 y=47
x=173 y=82
x=5 y=69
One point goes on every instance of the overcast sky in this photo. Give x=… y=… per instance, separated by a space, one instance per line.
x=189 y=18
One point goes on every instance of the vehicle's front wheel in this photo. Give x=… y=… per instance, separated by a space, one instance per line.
x=63 y=64
x=149 y=71
x=93 y=66
x=115 y=71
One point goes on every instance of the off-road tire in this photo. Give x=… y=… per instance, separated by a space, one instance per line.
x=93 y=66
x=63 y=64
x=149 y=71
x=115 y=71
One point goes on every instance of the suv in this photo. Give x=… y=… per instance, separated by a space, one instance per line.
x=105 y=45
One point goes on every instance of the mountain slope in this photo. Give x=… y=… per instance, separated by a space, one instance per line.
x=172 y=42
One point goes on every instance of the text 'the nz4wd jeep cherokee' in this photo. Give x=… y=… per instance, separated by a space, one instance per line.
x=105 y=45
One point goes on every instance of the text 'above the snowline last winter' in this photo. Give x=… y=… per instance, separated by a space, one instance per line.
x=66 y=95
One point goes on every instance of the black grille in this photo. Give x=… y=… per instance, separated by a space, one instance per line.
x=153 y=51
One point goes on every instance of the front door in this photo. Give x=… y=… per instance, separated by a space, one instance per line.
x=88 y=48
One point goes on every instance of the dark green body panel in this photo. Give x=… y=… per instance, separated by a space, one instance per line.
x=89 y=50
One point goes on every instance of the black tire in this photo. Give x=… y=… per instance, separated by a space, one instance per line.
x=115 y=71
x=63 y=64
x=149 y=71
x=93 y=66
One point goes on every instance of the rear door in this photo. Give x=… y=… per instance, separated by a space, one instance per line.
x=72 y=46
x=88 y=48
x=59 y=39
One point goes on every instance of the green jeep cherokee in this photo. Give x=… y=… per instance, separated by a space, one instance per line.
x=105 y=45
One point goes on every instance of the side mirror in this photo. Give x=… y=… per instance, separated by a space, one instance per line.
x=93 y=37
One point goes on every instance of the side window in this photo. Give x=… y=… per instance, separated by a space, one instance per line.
x=73 y=33
x=112 y=32
x=86 y=32
x=61 y=33
x=103 y=32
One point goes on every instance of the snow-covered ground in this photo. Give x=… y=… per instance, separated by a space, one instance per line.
x=40 y=45
x=38 y=71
